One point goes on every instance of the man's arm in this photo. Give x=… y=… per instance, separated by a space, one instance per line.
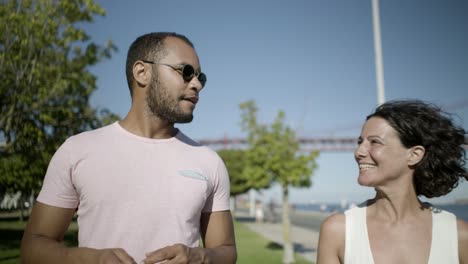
x=217 y=231
x=43 y=237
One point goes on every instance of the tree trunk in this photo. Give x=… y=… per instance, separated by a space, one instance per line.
x=21 y=206
x=288 y=250
x=252 y=202
x=31 y=202
x=233 y=205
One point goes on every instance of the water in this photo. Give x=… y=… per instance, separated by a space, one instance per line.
x=460 y=210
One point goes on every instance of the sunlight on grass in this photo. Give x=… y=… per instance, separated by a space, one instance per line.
x=253 y=248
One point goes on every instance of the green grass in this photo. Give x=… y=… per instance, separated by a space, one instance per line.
x=11 y=233
x=10 y=239
x=251 y=247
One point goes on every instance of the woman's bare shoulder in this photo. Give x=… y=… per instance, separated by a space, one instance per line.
x=332 y=239
x=334 y=223
x=462 y=227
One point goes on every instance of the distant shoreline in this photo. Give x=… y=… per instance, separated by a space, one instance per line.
x=459 y=209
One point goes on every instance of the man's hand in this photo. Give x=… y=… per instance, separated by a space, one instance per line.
x=114 y=256
x=177 y=254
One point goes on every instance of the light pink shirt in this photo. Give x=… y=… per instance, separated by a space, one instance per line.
x=136 y=193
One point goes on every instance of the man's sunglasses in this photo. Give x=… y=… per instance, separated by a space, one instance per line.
x=186 y=70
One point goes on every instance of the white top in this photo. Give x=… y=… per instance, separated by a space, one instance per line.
x=444 y=244
x=136 y=193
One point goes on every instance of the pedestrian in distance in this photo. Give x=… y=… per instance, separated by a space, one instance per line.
x=142 y=190
x=407 y=149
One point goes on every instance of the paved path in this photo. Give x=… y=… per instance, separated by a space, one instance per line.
x=305 y=239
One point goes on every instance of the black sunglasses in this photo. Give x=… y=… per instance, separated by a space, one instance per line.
x=186 y=70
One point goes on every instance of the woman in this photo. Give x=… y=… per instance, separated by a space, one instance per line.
x=406 y=149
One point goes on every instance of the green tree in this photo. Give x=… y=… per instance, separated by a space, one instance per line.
x=45 y=84
x=235 y=161
x=274 y=155
x=241 y=180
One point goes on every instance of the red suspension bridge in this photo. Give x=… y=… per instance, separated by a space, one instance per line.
x=324 y=144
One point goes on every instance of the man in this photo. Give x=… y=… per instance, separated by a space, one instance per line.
x=142 y=190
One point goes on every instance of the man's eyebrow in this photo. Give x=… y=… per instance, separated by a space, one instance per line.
x=187 y=63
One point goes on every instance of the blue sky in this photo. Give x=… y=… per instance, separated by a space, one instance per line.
x=313 y=59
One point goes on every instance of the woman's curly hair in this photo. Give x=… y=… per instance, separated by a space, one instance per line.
x=425 y=124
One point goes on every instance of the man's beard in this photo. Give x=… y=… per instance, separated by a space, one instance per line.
x=163 y=106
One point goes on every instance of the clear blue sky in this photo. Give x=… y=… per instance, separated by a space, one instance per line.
x=313 y=59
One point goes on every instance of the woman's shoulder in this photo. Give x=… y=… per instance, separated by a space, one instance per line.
x=462 y=228
x=334 y=223
x=332 y=239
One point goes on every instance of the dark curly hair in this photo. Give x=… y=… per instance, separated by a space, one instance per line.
x=148 y=47
x=427 y=125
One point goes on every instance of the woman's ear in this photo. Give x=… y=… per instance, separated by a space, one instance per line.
x=416 y=155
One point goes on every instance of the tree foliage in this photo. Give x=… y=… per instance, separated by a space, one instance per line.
x=241 y=180
x=273 y=153
x=45 y=83
x=234 y=161
x=274 y=156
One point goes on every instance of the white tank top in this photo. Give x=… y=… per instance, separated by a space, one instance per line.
x=444 y=245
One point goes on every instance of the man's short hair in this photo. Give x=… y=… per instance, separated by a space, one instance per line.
x=148 y=47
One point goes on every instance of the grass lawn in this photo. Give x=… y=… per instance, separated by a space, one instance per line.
x=10 y=240
x=11 y=233
x=251 y=248
x=254 y=249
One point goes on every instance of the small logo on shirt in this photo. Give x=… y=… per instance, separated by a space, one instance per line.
x=193 y=175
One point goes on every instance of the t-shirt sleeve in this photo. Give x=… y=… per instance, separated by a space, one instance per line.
x=219 y=197
x=57 y=188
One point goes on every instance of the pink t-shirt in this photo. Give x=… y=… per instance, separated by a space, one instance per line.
x=136 y=193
